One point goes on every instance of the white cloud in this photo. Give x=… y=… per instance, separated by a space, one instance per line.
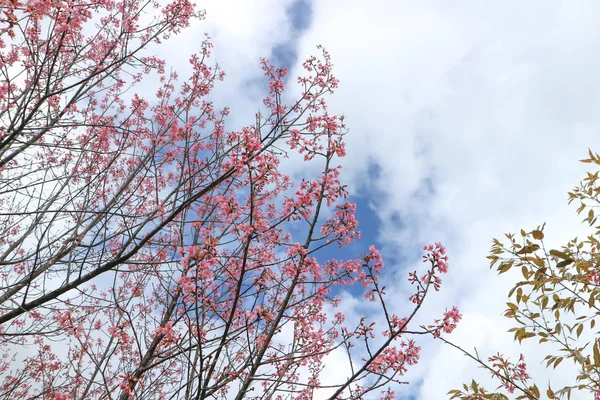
x=492 y=104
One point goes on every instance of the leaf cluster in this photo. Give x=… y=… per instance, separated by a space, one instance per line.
x=556 y=301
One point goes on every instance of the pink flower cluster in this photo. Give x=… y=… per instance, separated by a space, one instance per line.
x=437 y=256
x=446 y=324
x=119 y=333
x=66 y=321
x=167 y=332
x=439 y=263
x=396 y=359
x=593 y=277
x=514 y=372
x=57 y=396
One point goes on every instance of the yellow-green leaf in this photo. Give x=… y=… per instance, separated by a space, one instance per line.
x=563 y=263
x=558 y=361
x=504 y=267
x=528 y=249
x=537 y=235
x=539 y=262
x=559 y=254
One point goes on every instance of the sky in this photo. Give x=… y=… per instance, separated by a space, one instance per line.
x=466 y=121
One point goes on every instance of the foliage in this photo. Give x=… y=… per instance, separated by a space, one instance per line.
x=557 y=302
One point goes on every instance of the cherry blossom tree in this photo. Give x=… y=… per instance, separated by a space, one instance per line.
x=146 y=252
x=555 y=302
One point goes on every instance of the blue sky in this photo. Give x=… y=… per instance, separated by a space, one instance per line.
x=299 y=13
x=466 y=121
